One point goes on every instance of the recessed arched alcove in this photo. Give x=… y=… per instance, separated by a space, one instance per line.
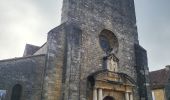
x=16 y=92
x=108 y=41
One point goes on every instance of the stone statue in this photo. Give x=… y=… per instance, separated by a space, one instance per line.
x=112 y=63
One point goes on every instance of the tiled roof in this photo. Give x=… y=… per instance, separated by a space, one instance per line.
x=159 y=78
x=30 y=49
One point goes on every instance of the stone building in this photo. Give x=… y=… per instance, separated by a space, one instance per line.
x=93 y=55
x=160 y=83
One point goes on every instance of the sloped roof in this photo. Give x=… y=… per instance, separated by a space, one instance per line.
x=159 y=78
x=30 y=49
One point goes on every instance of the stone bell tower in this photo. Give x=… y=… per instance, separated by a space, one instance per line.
x=91 y=55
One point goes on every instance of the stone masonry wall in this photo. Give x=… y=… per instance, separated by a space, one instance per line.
x=55 y=63
x=71 y=77
x=62 y=77
x=142 y=73
x=93 y=16
x=167 y=89
x=28 y=72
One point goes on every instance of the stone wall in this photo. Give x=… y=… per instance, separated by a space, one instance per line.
x=93 y=16
x=62 y=78
x=55 y=63
x=142 y=69
x=159 y=94
x=167 y=89
x=28 y=72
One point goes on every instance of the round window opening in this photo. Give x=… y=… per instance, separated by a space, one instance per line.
x=108 y=41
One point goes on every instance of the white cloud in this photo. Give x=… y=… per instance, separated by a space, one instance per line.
x=24 y=21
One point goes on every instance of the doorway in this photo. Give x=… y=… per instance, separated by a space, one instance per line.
x=108 y=98
x=16 y=92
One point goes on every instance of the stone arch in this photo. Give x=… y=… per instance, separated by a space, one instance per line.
x=16 y=92
x=108 y=98
x=108 y=41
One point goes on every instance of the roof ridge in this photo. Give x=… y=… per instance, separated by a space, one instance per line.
x=157 y=70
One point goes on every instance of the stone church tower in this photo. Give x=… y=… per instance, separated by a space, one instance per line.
x=95 y=54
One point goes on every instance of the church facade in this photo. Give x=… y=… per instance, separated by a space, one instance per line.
x=93 y=55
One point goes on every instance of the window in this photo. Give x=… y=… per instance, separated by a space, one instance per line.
x=108 y=41
x=104 y=43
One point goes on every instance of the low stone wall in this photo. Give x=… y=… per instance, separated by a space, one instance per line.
x=27 y=72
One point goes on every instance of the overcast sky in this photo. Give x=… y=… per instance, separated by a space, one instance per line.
x=28 y=21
